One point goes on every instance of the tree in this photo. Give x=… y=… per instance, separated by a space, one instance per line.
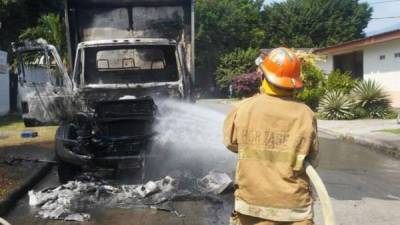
x=313 y=78
x=314 y=23
x=221 y=27
x=17 y=15
x=235 y=63
x=51 y=28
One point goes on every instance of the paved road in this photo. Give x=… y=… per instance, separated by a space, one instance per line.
x=369 y=132
x=364 y=185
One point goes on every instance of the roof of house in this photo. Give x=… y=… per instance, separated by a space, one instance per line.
x=360 y=43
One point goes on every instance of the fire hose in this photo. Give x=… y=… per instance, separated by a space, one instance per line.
x=4 y=222
x=327 y=211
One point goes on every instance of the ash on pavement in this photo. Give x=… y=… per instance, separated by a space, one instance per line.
x=70 y=201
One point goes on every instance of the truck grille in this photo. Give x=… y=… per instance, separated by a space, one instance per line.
x=120 y=129
x=125 y=126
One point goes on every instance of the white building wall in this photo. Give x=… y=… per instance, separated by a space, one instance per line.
x=385 y=71
x=4 y=85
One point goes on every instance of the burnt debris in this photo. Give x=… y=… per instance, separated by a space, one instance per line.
x=71 y=200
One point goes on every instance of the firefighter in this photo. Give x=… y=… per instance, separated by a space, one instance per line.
x=273 y=134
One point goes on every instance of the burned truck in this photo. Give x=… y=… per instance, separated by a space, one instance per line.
x=124 y=56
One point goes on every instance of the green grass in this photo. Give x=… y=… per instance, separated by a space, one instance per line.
x=393 y=131
x=10 y=123
x=12 y=126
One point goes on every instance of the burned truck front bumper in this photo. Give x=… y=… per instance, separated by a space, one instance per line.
x=86 y=160
x=115 y=131
x=106 y=158
x=65 y=154
x=62 y=147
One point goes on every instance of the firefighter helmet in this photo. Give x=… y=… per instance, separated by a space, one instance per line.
x=282 y=69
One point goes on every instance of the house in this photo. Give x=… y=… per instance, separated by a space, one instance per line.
x=375 y=57
x=4 y=85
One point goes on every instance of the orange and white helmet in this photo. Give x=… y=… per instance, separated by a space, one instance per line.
x=282 y=68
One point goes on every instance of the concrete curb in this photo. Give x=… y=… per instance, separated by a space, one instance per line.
x=19 y=192
x=381 y=146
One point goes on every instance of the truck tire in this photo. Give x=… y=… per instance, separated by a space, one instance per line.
x=31 y=123
x=66 y=171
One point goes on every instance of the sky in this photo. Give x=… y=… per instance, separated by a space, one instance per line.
x=382 y=8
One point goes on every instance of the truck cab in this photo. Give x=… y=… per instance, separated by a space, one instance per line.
x=111 y=69
x=127 y=55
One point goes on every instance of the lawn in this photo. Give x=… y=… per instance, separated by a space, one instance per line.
x=11 y=128
x=393 y=131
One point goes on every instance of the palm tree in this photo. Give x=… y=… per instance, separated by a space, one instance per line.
x=50 y=27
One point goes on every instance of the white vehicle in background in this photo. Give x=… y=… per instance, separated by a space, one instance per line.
x=4 y=84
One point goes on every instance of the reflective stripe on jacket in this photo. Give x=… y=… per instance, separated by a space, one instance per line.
x=272 y=137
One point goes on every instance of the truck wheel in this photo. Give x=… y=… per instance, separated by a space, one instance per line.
x=30 y=123
x=67 y=171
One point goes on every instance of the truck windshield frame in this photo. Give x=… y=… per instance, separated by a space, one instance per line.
x=123 y=64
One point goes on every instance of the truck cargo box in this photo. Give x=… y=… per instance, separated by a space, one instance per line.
x=89 y=20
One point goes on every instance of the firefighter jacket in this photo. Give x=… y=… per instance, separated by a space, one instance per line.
x=272 y=136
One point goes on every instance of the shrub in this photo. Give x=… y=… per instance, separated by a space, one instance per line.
x=246 y=85
x=371 y=97
x=313 y=78
x=369 y=93
x=336 y=105
x=311 y=97
x=380 y=112
x=392 y=114
x=360 y=112
x=366 y=100
x=312 y=75
x=338 y=80
x=235 y=63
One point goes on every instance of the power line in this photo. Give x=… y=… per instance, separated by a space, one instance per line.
x=383 y=2
x=384 y=18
